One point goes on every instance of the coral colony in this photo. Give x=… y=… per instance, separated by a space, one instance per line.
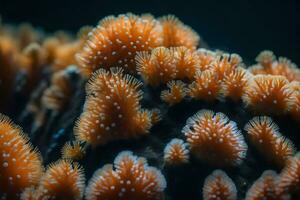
x=139 y=108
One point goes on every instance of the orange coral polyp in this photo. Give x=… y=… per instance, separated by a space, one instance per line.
x=73 y=150
x=130 y=178
x=176 y=34
x=214 y=139
x=265 y=59
x=219 y=186
x=116 y=40
x=165 y=64
x=264 y=134
x=186 y=63
x=267 y=64
x=20 y=164
x=264 y=187
x=205 y=86
x=285 y=67
x=112 y=109
x=62 y=180
x=206 y=57
x=268 y=94
x=289 y=178
x=234 y=84
x=175 y=93
x=176 y=152
x=157 y=67
x=225 y=64
x=295 y=105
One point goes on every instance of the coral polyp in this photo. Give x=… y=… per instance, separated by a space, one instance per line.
x=205 y=87
x=73 y=150
x=186 y=62
x=268 y=94
x=267 y=64
x=288 y=180
x=107 y=114
x=176 y=152
x=219 y=186
x=234 y=84
x=21 y=165
x=116 y=40
x=224 y=64
x=206 y=57
x=264 y=134
x=176 y=34
x=62 y=180
x=215 y=139
x=264 y=187
x=157 y=67
x=295 y=107
x=175 y=93
x=129 y=178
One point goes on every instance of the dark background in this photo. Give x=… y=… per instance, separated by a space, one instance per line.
x=241 y=26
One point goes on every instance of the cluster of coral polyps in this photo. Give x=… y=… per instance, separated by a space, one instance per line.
x=136 y=90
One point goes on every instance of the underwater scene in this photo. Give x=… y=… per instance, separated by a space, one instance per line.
x=142 y=107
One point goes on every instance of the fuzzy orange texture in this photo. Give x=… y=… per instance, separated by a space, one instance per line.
x=224 y=64
x=129 y=178
x=73 y=150
x=205 y=87
x=20 y=164
x=165 y=64
x=206 y=58
x=265 y=136
x=289 y=178
x=286 y=68
x=268 y=94
x=176 y=34
x=157 y=67
x=264 y=187
x=214 y=139
x=112 y=109
x=186 y=62
x=295 y=107
x=116 y=40
x=175 y=93
x=234 y=84
x=219 y=186
x=62 y=180
x=267 y=64
x=64 y=55
x=176 y=152
x=265 y=59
